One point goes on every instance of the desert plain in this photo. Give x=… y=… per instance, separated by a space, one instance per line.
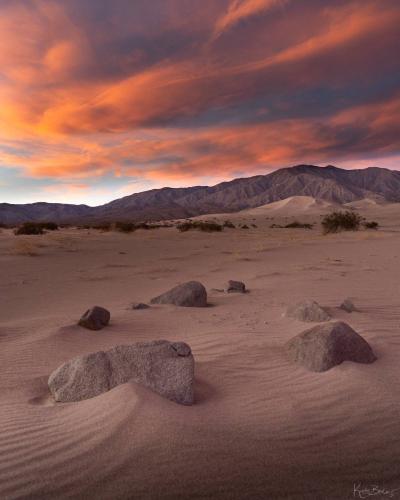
x=261 y=427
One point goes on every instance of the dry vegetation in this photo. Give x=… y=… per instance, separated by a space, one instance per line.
x=208 y=227
x=32 y=228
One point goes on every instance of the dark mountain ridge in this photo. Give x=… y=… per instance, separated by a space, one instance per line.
x=328 y=183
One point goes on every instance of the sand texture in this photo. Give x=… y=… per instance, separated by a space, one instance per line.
x=261 y=427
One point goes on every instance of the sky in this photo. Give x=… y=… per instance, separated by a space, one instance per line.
x=103 y=98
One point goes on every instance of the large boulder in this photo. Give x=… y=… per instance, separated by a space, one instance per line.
x=95 y=318
x=236 y=287
x=309 y=311
x=324 y=346
x=190 y=294
x=165 y=367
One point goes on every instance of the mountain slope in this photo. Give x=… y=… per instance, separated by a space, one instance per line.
x=330 y=183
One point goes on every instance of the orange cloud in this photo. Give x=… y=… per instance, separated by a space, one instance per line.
x=220 y=151
x=79 y=101
x=172 y=90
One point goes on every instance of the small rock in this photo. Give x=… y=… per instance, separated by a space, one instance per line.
x=165 y=367
x=348 y=306
x=139 y=305
x=235 y=287
x=325 y=346
x=181 y=348
x=190 y=294
x=95 y=318
x=308 y=311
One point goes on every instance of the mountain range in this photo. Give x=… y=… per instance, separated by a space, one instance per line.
x=328 y=183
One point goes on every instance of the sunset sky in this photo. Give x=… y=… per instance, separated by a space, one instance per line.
x=103 y=98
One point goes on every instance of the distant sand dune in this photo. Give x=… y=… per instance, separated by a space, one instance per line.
x=294 y=205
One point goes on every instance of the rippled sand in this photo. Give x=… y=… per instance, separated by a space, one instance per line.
x=261 y=428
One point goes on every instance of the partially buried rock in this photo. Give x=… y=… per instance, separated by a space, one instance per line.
x=190 y=294
x=165 y=367
x=309 y=311
x=95 y=318
x=139 y=305
x=328 y=345
x=236 y=287
x=348 y=306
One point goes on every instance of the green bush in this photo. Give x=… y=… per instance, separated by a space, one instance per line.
x=341 y=221
x=208 y=227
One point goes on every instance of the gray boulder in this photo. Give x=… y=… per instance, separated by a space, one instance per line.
x=236 y=287
x=190 y=294
x=328 y=345
x=95 y=318
x=348 y=306
x=165 y=367
x=309 y=311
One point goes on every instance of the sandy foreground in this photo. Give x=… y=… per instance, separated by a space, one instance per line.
x=261 y=427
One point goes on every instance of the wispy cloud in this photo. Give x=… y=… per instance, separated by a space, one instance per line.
x=239 y=10
x=89 y=91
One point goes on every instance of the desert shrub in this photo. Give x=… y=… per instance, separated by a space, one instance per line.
x=208 y=227
x=341 y=221
x=125 y=227
x=145 y=225
x=245 y=226
x=371 y=225
x=100 y=226
x=29 y=228
x=49 y=226
x=275 y=226
x=298 y=225
x=185 y=226
x=36 y=228
x=229 y=224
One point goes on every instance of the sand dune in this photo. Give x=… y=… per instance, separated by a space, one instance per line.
x=294 y=205
x=368 y=203
x=261 y=427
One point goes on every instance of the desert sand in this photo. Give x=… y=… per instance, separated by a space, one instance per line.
x=261 y=427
